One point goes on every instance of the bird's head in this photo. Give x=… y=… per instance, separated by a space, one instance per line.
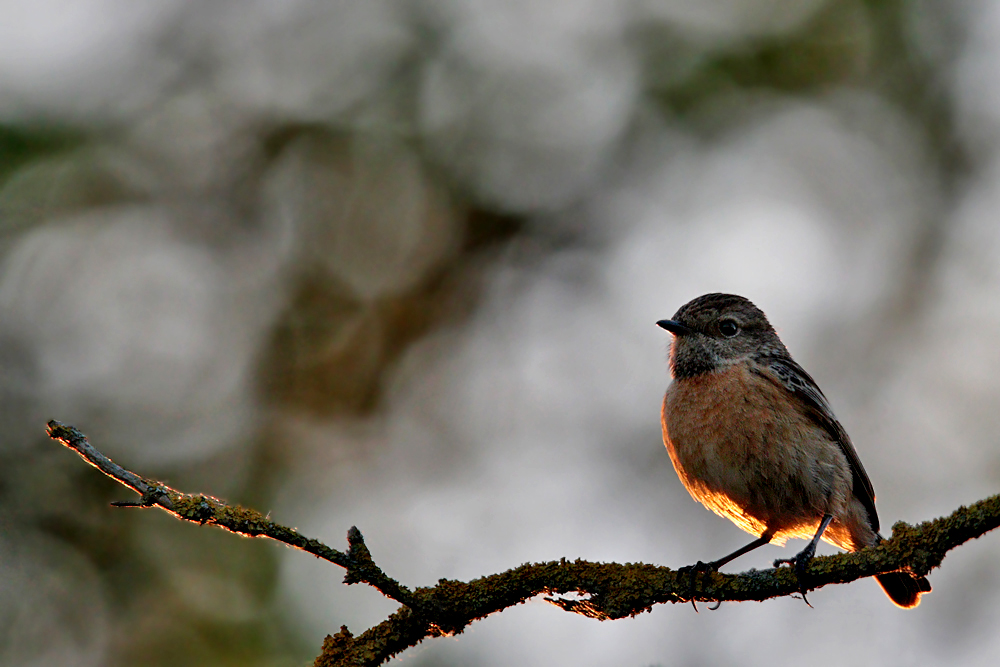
x=717 y=330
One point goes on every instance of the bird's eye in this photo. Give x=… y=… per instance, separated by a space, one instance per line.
x=728 y=328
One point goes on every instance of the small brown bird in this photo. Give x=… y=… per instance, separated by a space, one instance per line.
x=754 y=440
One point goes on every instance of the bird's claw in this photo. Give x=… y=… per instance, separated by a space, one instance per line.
x=799 y=562
x=700 y=568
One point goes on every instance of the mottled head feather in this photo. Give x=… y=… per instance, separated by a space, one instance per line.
x=710 y=345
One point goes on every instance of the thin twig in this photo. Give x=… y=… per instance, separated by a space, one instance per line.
x=250 y=523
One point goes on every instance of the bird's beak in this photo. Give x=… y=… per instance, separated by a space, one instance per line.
x=676 y=328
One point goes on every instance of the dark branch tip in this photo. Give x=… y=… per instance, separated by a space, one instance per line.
x=59 y=431
x=128 y=503
x=359 y=558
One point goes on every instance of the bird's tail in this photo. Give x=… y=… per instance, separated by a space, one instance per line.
x=903 y=588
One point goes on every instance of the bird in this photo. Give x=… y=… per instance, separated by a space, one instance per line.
x=754 y=439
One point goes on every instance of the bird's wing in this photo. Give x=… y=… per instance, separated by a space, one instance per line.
x=796 y=380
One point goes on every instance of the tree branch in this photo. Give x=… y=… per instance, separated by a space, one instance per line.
x=204 y=509
x=602 y=591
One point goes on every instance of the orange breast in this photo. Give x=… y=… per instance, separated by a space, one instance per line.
x=742 y=448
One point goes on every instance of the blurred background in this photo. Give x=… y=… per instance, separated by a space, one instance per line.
x=396 y=264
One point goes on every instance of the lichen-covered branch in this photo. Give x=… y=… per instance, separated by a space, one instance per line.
x=599 y=590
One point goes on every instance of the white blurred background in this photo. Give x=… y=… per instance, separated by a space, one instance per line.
x=396 y=264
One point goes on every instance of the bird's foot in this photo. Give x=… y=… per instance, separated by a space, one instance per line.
x=698 y=572
x=799 y=562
